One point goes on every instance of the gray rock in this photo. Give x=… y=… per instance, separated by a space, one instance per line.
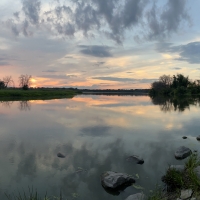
x=185 y=194
x=138 y=196
x=114 y=180
x=179 y=168
x=198 y=137
x=60 y=155
x=197 y=170
x=182 y=152
x=135 y=159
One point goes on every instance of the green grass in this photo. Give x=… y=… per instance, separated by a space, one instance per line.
x=186 y=179
x=35 y=94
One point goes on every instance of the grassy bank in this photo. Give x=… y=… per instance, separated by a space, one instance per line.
x=177 y=180
x=36 y=94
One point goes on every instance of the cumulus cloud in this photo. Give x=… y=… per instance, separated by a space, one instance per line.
x=111 y=18
x=189 y=52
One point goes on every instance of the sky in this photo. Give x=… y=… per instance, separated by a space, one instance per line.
x=99 y=44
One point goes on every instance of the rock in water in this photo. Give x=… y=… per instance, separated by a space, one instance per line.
x=60 y=155
x=185 y=194
x=138 y=196
x=114 y=180
x=184 y=137
x=135 y=159
x=198 y=138
x=182 y=152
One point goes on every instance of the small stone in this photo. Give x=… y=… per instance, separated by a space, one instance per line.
x=185 y=194
x=198 y=138
x=135 y=159
x=60 y=155
x=182 y=152
x=138 y=196
x=184 y=137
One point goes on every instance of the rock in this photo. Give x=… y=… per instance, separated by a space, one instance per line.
x=114 y=180
x=135 y=159
x=184 y=137
x=185 y=194
x=198 y=138
x=138 y=196
x=182 y=152
x=197 y=170
x=179 y=168
x=60 y=155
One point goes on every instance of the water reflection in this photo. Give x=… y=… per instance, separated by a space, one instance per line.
x=95 y=134
x=22 y=105
x=175 y=104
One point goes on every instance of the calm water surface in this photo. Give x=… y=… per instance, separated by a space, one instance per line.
x=96 y=134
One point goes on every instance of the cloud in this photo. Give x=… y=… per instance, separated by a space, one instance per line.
x=96 y=51
x=189 y=52
x=31 y=9
x=112 y=18
x=168 y=21
x=125 y=79
x=96 y=131
x=50 y=71
x=53 y=76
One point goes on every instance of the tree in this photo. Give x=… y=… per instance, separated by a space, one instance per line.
x=166 y=80
x=180 y=81
x=2 y=85
x=25 y=81
x=8 y=80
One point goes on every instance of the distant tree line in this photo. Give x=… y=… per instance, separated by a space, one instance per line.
x=24 y=82
x=174 y=85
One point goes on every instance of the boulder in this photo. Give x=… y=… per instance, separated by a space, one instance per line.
x=60 y=155
x=138 y=196
x=135 y=159
x=114 y=180
x=182 y=152
x=184 y=137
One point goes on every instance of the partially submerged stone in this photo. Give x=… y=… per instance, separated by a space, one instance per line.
x=182 y=152
x=114 y=180
x=179 y=168
x=184 y=137
x=185 y=194
x=198 y=138
x=135 y=159
x=60 y=155
x=138 y=196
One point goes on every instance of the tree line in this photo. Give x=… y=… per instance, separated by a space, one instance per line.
x=174 y=85
x=24 y=82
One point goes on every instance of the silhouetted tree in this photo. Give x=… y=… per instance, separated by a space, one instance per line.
x=2 y=84
x=24 y=81
x=8 y=81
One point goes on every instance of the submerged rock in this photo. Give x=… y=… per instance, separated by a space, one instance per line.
x=184 y=137
x=135 y=159
x=138 y=196
x=115 y=181
x=60 y=155
x=182 y=152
